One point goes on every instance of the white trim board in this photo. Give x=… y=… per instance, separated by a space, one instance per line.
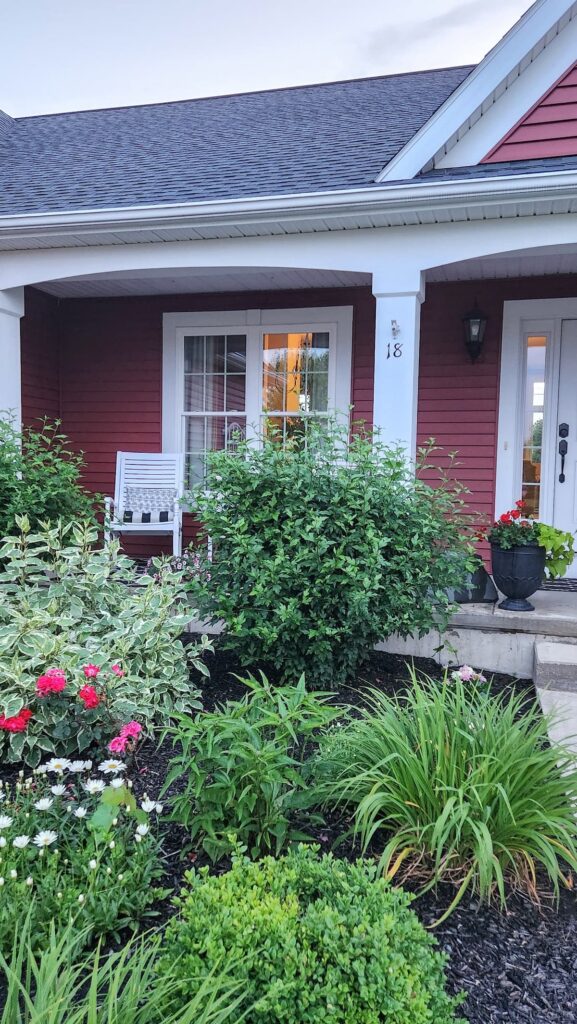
x=537 y=316
x=337 y=320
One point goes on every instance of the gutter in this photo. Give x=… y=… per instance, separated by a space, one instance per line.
x=413 y=196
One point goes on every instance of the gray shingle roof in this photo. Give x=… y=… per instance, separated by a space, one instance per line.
x=304 y=139
x=498 y=170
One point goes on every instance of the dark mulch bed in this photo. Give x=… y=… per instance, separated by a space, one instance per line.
x=517 y=967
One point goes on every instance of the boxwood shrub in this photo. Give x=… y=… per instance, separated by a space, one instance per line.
x=309 y=940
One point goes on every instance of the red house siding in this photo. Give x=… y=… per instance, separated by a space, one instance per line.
x=40 y=361
x=548 y=129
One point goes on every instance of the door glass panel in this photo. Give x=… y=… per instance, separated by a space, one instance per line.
x=295 y=380
x=534 y=408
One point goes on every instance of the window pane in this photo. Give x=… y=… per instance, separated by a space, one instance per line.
x=236 y=353
x=296 y=372
x=215 y=353
x=194 y=355
x=534 y=409
x=235 y=388
x=193 y=392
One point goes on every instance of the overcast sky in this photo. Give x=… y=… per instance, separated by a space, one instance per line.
x=76 y=54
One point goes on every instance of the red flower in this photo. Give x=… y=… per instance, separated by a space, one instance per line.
x=516 y=513
x=16 y=723
x=520 y=503
x=90 y=697
x=91 y=671
x=52 y=681
x=118 y=671
x=505 y=518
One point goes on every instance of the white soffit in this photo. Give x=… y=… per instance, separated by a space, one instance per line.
x=504 y=86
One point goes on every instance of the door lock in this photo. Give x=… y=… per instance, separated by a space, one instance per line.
x=563 y=446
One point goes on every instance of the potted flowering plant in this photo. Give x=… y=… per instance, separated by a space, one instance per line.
x=522 y=551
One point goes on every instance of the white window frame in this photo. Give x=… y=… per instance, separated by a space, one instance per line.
x=337 y=321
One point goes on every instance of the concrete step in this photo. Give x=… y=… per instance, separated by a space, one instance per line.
x=555 y=666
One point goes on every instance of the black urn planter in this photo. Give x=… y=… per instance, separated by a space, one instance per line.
x=518 y=572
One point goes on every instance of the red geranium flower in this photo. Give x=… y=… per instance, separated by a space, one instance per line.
x=516 y=513
x=16 y=723
x=52 y=681
x=89 y=696
x=505 y=518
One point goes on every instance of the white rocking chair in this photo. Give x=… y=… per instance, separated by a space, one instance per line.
x=147 y=496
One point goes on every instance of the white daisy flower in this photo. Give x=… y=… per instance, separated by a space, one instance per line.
x=116 y=783
x=142 y=830
x=5 y=821
x=80 y=812
x=112 y=766
x=45 y=838
x=20 y=842
x=94 y=786
x=148 y=805
x=44 y=804
x=58 y=790
x=80 y=766
x=56 y=764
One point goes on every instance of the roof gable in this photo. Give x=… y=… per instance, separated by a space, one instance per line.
x=548 y=129
x=513 y=76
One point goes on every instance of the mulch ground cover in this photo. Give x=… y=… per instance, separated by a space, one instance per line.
x=517 y=967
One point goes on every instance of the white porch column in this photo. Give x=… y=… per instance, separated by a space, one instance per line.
x=11 y=310
x=397 y=331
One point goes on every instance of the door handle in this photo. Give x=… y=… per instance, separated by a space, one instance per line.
x=563 y=446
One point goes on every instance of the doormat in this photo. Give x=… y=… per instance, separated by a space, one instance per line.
x=561 y=586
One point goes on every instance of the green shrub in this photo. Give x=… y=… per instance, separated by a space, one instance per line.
x=40 y=477
x=322 y=550
x=245 y=768
x=56 y=986
x=464 y=787
x=311 y=940
x=76 y=845
x=64 y=604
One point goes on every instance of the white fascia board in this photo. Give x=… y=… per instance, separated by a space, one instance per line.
x=423 y=195
x=526 y=35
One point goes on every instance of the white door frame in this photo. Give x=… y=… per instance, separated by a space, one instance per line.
x=535 y=316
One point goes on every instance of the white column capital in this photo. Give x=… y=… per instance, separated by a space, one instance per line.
x=12 y=302
x=403 y=281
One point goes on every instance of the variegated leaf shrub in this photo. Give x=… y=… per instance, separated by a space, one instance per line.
x=66 y=605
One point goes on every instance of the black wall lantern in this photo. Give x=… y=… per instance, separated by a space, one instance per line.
x=474 y=324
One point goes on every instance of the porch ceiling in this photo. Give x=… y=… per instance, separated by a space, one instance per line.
x=188 y=281
x=534 y=263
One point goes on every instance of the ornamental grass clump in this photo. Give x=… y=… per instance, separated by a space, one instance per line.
x=324 y=546
x=309 y=939
x=57 y=985
x=74 y=844
x=457 y=786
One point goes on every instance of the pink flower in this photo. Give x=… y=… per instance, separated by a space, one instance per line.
x=90 y=697
x=118 y=671
x=91 y=671
x=132 y=729
x=53 y=681
x=118 y=745
x=466 y=673
x=16 y=723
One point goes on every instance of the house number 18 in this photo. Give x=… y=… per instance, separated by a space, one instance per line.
x=397 y=350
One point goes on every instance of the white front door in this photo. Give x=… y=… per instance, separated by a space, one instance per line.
x=537 y=440
x=565 y=454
